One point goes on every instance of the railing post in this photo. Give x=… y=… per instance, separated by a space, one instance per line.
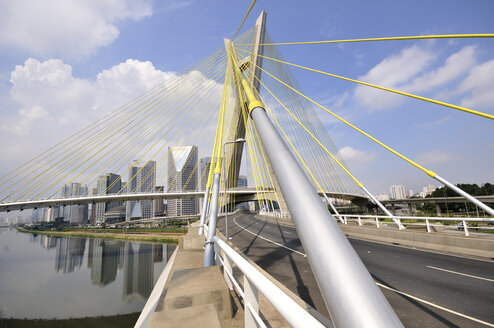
x=465 y=228
x=217 y=253
x=359 y=221
x=227 y=267
x=428 y=225
x=252 y=298
x=377 y=222
x=345 y=220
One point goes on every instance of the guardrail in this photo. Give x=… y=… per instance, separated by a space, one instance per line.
x=464 y=221
x=278 y=215
x=255 y=282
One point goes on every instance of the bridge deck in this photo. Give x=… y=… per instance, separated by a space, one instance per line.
x=277 y=249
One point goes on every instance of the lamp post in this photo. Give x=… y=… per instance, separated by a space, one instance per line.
x=239 y=140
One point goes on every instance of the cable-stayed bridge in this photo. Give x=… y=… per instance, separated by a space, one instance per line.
x=242 y=111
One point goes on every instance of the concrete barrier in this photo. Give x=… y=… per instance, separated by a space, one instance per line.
x=472 y=246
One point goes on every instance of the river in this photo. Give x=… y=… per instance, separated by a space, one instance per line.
x=71 y=281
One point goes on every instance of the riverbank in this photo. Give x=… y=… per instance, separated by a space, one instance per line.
x=151 y=236
x=116 y=321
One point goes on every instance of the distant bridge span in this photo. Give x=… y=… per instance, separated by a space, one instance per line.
x=442 y=200
x=240 y=196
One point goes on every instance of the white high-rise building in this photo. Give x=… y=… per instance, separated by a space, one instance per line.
x=76 y=214
x=182 y=176
x=397 y=192
x=242 y=182
x=383 y=196
x=204 y=166
x=430 y=188
x=142 y=178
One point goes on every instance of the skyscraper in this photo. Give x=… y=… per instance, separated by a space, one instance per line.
x=242 y=183
x=182 y=176
x=397 y=192
x=142 y=178
x=76 y=214
x=107 y=184
x=158 y=208
x=204 y=166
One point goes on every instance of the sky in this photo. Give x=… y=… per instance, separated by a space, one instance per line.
x=63 y=64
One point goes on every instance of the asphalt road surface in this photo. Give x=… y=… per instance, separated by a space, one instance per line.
x=426 y=289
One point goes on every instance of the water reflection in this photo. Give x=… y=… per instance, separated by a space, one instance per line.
x=105 y=258
x=70 y=253
x=76 y=277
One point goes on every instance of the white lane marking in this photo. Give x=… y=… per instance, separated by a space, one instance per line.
x=413 y=248
x=389 y=288
x=437 y=306
x=460 y=273
x=271 y=241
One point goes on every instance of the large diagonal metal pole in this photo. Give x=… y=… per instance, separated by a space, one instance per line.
x=350 y=293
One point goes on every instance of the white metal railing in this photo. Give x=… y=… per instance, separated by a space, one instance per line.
x=279 y=215
x=255 y=282
x=464 y=221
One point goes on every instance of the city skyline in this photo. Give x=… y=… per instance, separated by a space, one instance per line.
x=401 y=192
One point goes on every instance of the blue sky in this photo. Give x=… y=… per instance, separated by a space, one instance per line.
x=59 y=58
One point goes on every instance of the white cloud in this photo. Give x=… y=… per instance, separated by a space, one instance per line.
x=27 y=116
x=65 y=28
x=356 y=156
x=392 y=72
x=456 y=65
x=52 y=102
x=405 y=72
x=480 y=84
x=434 y=157
x=126 y=80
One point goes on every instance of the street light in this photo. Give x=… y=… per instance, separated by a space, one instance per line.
x=239 y=140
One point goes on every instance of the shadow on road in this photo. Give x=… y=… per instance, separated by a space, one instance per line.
x=418 y=305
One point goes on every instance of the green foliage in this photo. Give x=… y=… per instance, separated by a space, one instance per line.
x=473 y=189
x=464 y=206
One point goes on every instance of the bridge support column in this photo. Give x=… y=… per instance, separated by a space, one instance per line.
x=209 y=245
x=205 y=205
